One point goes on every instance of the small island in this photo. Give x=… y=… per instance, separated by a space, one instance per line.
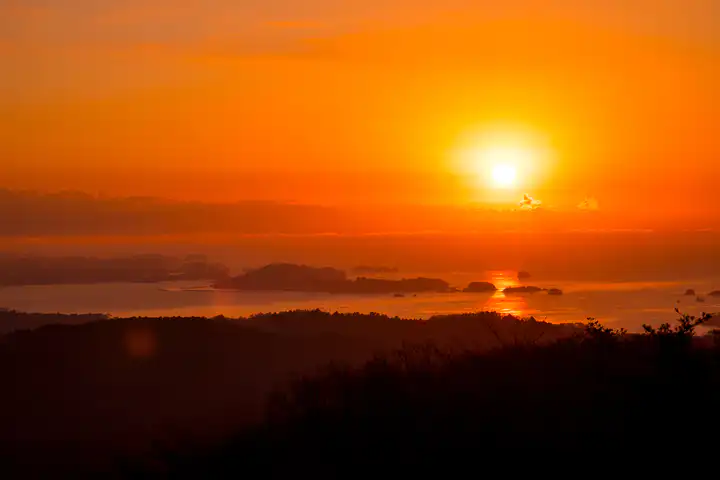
x=554 y=291
x=522 y=275
x=689 y=292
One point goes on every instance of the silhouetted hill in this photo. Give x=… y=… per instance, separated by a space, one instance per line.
x=11 y=320
x=476 y=330
x=303 y=278
x=188 y=397
x=25 y=270
x=428 y=409
x=83 y=395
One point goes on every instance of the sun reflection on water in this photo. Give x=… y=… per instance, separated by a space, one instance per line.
x=511 y=305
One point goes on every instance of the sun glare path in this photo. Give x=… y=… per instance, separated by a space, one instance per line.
x=499 y=302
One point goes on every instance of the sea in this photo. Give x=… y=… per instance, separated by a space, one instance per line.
x=619 y=304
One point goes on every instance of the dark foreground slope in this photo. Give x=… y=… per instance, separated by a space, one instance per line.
x=600 y=395
x=79 y=398
x=183 y=398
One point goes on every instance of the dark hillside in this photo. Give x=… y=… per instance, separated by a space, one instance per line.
x=79 y=396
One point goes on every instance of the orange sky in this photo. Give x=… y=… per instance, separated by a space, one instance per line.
x=361 y=101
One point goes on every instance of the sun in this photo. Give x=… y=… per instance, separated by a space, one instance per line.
x=504 y=175
x=502 y=165
x=498 y=162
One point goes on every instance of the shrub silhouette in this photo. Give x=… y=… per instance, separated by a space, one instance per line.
x=594 y=330
x=685 y=329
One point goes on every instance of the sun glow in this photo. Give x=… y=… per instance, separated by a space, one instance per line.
x=504 y=161
x=502 y=166
x=504 y=175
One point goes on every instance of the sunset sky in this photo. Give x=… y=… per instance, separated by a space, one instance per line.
x=378 y=101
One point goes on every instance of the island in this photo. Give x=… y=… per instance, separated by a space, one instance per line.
x=690 y=292
x=514 y=290
x=303 y=278
x=522 y=275
x=554 y=291
x=480 y=287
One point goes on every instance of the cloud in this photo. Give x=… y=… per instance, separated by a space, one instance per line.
x=529 y=203
x=589 y=204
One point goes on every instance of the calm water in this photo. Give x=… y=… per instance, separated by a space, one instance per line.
x=627 y=304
